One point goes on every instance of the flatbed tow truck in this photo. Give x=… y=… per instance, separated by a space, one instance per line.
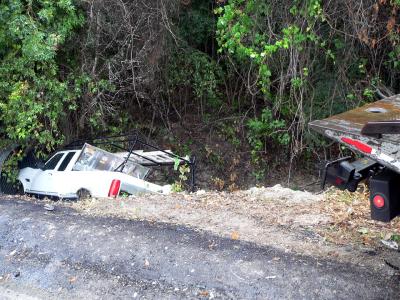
x=373 y=132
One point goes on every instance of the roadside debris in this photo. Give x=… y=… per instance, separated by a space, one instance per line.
x=277 y=192
x=204 y=293
x=5 y=278
x=363 y=230
x=48 y=207
x=235 y=235
x=72 y=279
x=200 y=192
x=390 y=244
x=146 y=263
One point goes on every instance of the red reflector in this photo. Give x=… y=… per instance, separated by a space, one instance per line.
x=378 y=201
x=338 y=181
x=114 y=188
x=357 y=144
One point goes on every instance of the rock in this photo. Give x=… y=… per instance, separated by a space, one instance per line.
x=200 y=192
x=277 y=192
x=390 y=244
x=48 y=207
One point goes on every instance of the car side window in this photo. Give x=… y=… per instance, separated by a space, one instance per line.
x=66 y=161
x=52 y=163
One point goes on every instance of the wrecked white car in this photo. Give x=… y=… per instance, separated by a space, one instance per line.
x=93 y=172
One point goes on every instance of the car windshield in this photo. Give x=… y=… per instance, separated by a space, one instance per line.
x=93 y=158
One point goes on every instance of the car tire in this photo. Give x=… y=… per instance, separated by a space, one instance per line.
x=19 y=188
x=83 y=194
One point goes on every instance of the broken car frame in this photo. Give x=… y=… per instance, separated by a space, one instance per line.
x=161 y=158
x=80 y=163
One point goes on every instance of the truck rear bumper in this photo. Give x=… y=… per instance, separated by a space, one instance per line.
x=384 y=184
x=346 y=174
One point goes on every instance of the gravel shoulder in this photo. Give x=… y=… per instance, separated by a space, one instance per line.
x=334 y=225
x=259 y=243
x=65 y=254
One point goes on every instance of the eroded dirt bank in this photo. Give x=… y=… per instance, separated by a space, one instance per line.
x=334 y=224
x=66 y=253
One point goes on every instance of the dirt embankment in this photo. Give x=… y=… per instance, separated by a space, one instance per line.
x=334 y=224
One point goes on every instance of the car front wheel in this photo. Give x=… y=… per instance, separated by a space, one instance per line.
x=83 y=194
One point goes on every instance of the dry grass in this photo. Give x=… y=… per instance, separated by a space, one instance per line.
x=337 y=217
x=340 y=217
x=351 y=219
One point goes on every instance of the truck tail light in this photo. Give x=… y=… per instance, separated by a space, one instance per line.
x=357 y=144
x=378 y=201
x=384 y=195
x=338 y=181
x=114 y=188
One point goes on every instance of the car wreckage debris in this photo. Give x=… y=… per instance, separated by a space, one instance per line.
x=86 y=169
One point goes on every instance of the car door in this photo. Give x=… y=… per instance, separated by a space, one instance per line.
x=43 y=183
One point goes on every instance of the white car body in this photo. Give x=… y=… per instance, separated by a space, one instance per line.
x=57 y=179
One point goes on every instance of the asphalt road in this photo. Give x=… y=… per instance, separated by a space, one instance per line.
x=62 y=254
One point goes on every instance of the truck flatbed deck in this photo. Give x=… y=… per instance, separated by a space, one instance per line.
x=353 y=121
x=348 y=128
x=372 y=130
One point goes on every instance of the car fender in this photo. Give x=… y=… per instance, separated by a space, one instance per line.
x=96 y=182
x=26 y=176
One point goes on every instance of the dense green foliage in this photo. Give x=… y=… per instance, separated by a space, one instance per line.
x=193 y=70
x=308 y=62
x=255 y=71
x=34 y=94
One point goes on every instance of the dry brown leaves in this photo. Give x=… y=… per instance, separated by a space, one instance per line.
x=391 y=23
x=340 y=217
x=351 y=219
